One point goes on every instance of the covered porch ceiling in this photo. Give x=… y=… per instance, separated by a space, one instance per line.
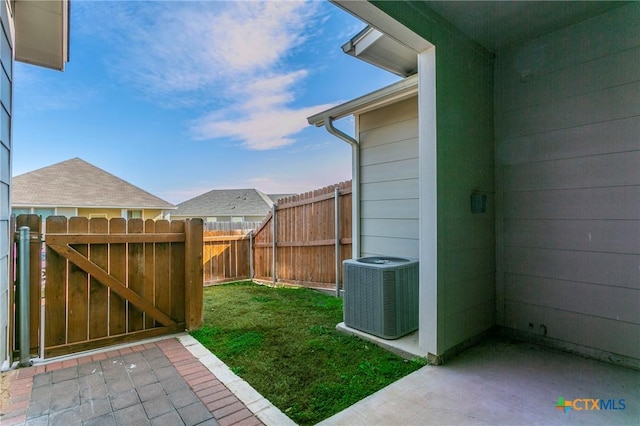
x=492 y=24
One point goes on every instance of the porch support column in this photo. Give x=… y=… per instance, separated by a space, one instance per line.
x=428 y=184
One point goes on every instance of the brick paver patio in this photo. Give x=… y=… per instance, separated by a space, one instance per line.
x=159 y=383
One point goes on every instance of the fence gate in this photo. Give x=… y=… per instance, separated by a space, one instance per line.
x=114 y=281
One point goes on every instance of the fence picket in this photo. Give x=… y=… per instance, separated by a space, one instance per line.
x=98 y=294
x=149 y=268
x=163 y=270
x=55 y=288
x=136 y=273
x=117 y=268
x=78 y=288
x=177 y=274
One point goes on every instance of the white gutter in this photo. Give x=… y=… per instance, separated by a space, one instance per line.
x=355 y=184
x=402 y=89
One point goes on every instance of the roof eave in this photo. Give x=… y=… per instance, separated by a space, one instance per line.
x=22 y=204
x=378 y=49
x=395 y=92
x=42 y=33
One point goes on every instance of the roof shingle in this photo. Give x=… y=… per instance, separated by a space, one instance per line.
x=76 y=183
x=227 y=202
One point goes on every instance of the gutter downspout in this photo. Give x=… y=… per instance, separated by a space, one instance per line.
x=355 y=184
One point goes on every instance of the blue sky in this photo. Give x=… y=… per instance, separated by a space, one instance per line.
x=182 y=97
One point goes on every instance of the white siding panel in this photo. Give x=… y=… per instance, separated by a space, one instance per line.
x=610 y=269
x=391 y=190
x=382 y=246
x=389 y=209
x=458 y=326
x=396 y=170
x=590 y=203
x=66 y=211
x=389 y=115
x=591 y=139
x=585 y=172
x=568 y=185
x=466 y=264
x=601 y=73
x=6 y=74
x=470 y=292
x=615 y=303
x=395 y=151
x=611 y=236
x=389 y=193
x=608 y=104
x=402 y=130
x=394 y=228
x=588 y=331
x=574 y=45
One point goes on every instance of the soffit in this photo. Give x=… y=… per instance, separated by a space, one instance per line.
x=492 y=24
x=497 y=24
x=42 y=32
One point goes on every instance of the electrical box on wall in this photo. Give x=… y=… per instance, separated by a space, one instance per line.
x=478 y=203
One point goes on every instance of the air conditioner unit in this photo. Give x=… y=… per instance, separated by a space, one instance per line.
x=381 y=295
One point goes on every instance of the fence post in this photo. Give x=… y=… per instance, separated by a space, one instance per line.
x=273 y=259
x=23 y=297
x=194 y=280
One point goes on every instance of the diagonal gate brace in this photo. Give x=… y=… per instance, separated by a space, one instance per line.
x=114 y=284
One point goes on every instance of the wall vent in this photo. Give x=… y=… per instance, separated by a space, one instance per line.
x=381 y=295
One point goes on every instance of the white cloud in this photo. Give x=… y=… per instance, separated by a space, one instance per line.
x=263 y=119
x=231 y=58
x=259 y=130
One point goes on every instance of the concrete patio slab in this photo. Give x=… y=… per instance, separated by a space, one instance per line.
x=502 y=382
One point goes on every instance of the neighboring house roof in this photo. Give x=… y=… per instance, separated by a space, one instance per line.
x=76 y=183
x=228 y=202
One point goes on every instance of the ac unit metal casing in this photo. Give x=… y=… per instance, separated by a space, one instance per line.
x=381 y=295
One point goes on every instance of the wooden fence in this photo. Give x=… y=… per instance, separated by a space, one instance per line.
x=114 y=281
x=226 y=256
x=299 y=243
x=305 y=246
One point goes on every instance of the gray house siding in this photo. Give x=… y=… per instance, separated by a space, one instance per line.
x=465 y=164
x=6 y=59
x=389 y=193
x=466 y=241
x=568 y=157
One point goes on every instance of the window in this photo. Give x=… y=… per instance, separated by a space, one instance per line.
x=20 y=211
x=212 y=219
x=237 y=219
x=45 y=213
x=134 y=214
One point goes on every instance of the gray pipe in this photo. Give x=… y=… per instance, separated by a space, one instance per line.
x=251 y=255
x=23 y=297
x=275 y=245
x=355 y=185
x=337 y=229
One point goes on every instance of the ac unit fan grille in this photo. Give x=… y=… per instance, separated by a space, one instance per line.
x=382 y=301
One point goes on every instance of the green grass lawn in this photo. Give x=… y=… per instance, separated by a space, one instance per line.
x=283 y=342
